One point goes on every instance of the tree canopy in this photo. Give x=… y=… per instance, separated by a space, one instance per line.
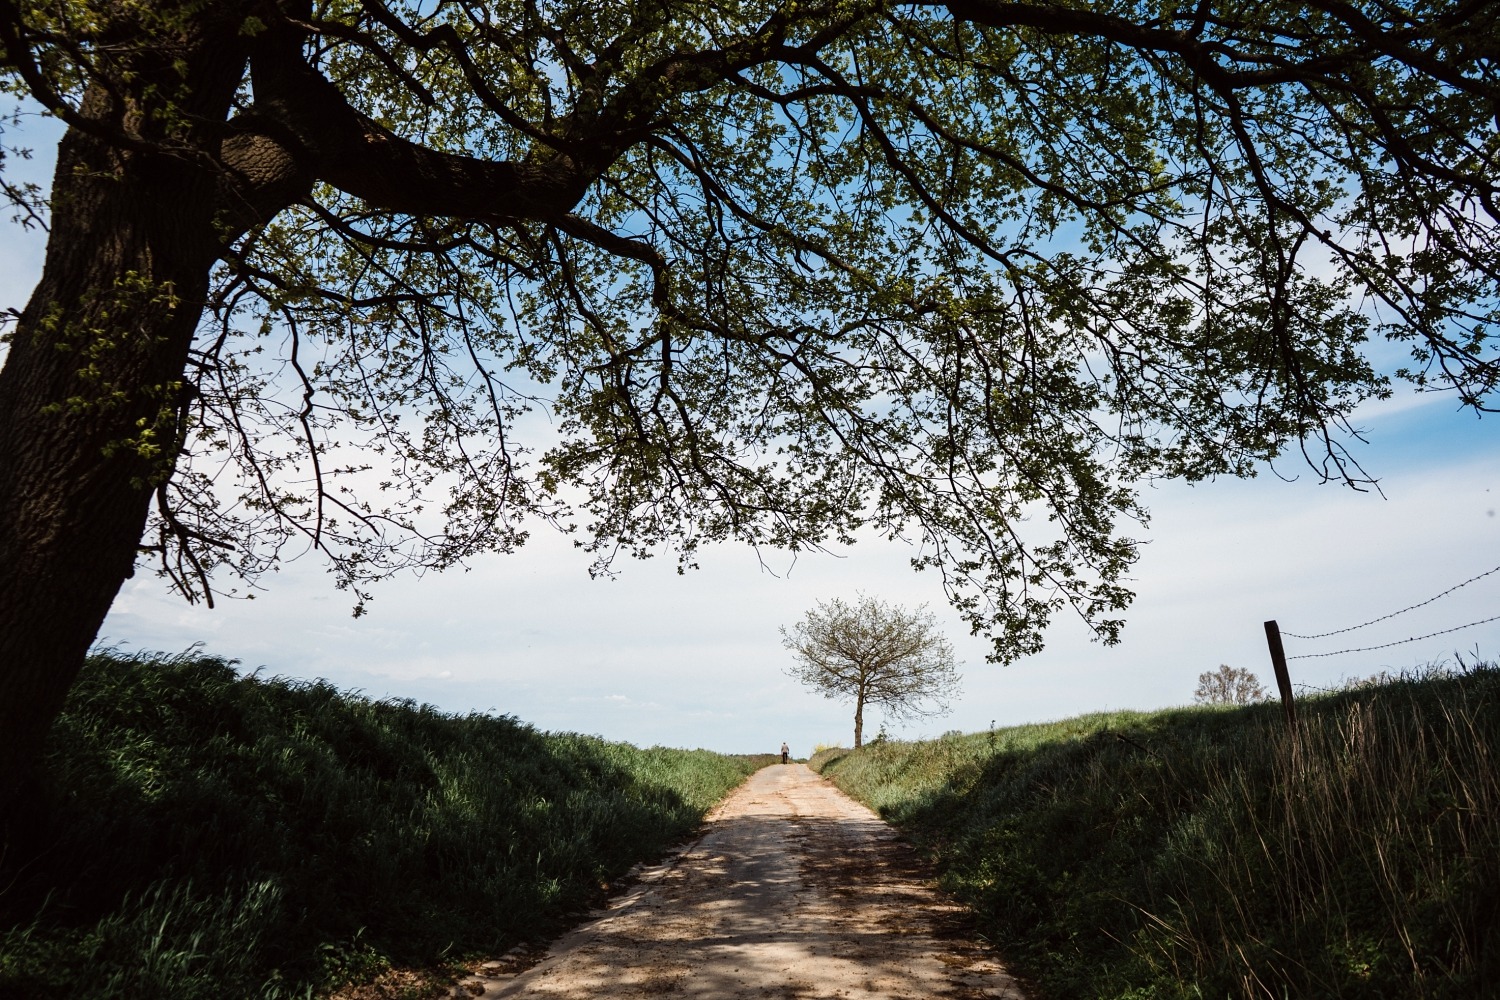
x=873 y=653
x=1228 y=686
x=392 y=280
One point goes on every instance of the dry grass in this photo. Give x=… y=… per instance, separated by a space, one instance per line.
x=1210 y=853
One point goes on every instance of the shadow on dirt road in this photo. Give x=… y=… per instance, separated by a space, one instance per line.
x=793 y=891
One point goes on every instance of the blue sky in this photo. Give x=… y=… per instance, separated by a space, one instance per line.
x=696 y=660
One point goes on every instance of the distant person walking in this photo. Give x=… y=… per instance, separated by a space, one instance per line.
x=786 y=753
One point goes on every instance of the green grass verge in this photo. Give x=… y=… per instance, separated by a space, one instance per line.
x=1206 y=853
x=198 y=833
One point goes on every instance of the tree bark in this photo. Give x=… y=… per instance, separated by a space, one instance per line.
x=859 y=720
x=90 y=398
x=93 y=391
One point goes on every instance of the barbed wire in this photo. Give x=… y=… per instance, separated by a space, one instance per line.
x=1388 y=645
x=1351 y=628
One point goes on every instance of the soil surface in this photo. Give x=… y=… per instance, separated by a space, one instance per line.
x=794 y=892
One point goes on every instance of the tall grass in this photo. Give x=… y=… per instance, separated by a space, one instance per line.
x=197 y=833
x=1209 y=853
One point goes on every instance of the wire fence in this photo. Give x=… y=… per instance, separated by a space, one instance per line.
x=1393 y=614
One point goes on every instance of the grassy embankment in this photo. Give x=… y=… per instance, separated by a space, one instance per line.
x=204 y=834
x=1206 y=853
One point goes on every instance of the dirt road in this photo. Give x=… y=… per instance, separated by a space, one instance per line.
x=794 y=892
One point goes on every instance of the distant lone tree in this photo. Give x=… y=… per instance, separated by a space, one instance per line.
x=1228 y=686
x=876 y=654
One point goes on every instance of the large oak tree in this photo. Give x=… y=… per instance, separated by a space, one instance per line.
x=770 y=271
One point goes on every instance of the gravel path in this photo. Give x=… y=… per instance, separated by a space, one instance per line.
x=794 y=891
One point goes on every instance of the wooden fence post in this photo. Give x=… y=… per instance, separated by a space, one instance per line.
x=1283 y=679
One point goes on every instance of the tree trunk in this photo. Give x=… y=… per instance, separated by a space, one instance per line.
x=89 y=404
x=92 y=392
x=859 y=720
